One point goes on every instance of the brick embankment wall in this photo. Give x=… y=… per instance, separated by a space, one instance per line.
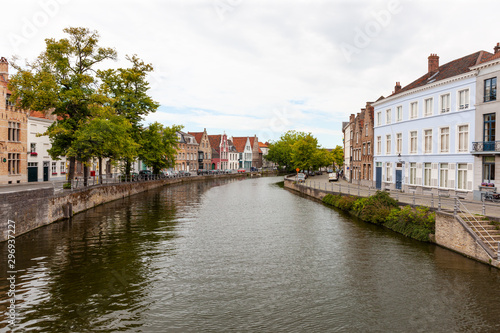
x=35 y=208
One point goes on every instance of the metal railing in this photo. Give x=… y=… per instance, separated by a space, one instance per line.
x=464 y=215
x=480 y=146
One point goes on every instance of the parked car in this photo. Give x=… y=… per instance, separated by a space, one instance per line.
x=145 y=174
x=301 y=177
x=253 y=169
x=333 y=177
x=242 y=170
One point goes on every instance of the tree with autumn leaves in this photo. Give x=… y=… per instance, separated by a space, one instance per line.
x=99 y=112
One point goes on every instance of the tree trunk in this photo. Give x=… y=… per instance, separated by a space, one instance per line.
x=128 y=167
x=100 y=170
x=85 y=174
x=71 y=171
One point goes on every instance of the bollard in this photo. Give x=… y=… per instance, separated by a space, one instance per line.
x=455 y=207
x=358 y=190
x=439 y=203
x=414 y=198
x=432 y=200
x=484 y=209
x=369 y=193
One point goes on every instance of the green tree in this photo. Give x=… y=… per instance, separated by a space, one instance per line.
x=280 y=152
x=128 y=90
x=338 y=156
x=158 y=146
x=304 y=151
x=105 y=135
x=63 y=80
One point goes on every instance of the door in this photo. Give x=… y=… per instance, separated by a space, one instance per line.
x=32 y=174
x=45 y=171
x=378 y=178
x=399 y=179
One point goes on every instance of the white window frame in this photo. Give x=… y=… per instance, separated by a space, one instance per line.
x=379 y=118
x=399 y=113
x=388 y=116
x=443 y=175
x=388 y=172
x=387 y=144
x=460 y=148
x=414 y=110
x=427 y=141
x=444 y=108
x=379 y=145
x=413 y=140
x=441 y=140
x=399 y=143
x=428 y=104
x=465 y=104
x=413 y=174
x=462 y=176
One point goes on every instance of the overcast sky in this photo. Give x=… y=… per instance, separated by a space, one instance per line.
x=263 y=67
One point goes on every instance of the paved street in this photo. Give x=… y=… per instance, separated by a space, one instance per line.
x=446 y=203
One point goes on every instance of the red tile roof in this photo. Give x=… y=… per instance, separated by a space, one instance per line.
x=263 y=145
x=453 y=68
x=197 y=136
x=493 y=57
x=215 y=141
x=239 y=143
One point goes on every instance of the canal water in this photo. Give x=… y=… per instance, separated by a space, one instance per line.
x=240 y=256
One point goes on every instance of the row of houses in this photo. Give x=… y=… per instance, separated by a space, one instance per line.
x=434 y=135
x=24 y=153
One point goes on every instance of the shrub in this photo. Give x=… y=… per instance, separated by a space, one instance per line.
x=416 y=223
x=67 y=186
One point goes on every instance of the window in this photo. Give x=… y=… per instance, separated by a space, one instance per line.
x=489 y=124
x=463 y=99
x=427 y=141
x=8 y=102
x=490 y=89
x=445 y=103
x=428 y=107
x=369 y=149
x=463 y=138
x=379 y=118
x=462 y=176
x=413 y=110
x=388 y=172
x=399 y=143
x=366 y=130
x=427 y=174
x=443 y=175
x=379 y=145
x=14 y=131
x=33 y=147
x=413 y=142
x=388 y=116
x=364 y=149
x=13 y=163
x=63 y=167
x=444 y=140
x=413 y=173
x=54 y=167
x=388 y=144
x=399 y=113
x=488 y=169
x=357 y=137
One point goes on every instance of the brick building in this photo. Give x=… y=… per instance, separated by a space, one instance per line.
x=361 y=146
x=204 y=149
x=13 y=134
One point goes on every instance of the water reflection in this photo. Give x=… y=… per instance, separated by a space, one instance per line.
x=246 y=256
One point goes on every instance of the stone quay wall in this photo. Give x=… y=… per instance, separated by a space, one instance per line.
x=31 y=209
x=450 y=233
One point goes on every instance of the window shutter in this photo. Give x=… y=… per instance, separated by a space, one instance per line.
x=470 y=176
x=434 y=175
x=451 y=175
x=419 y=173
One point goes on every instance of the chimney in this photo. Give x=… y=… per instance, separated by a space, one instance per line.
x=497 y=48
x=397 y=87
x=4 y=68
x=433 y=63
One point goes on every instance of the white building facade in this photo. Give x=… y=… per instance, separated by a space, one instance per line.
x=41 y=167
x=423 y=132
x=346 y=129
